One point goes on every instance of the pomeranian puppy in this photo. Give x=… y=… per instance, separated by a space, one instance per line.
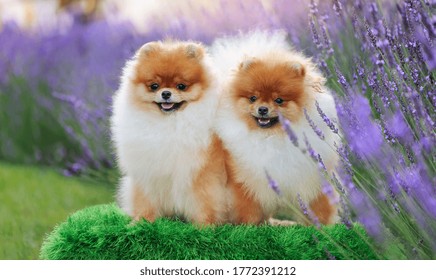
x=163 y=111
x=263 y=78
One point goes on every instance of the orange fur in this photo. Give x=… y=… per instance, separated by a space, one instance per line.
x=208 y=179
x=269 y=81
x=142 y=207
x=323 y=209
x=245 y=208
x=168 y=68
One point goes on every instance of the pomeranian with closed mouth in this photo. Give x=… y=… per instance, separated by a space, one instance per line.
x=171 y=160
x=264 y=79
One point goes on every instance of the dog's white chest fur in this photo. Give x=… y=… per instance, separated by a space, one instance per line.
x=292 y=170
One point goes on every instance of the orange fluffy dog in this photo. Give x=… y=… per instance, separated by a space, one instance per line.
x=262 y=78
x=163 y=113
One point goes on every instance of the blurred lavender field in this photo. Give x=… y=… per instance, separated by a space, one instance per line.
x=379 y=57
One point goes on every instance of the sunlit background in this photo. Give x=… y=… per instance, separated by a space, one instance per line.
x=144 y=15
x=60 y=62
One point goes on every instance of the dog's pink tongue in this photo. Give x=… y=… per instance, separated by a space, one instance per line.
x=167 y=106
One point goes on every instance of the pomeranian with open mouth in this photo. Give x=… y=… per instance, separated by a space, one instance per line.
x=163 y=111
x=265 y=79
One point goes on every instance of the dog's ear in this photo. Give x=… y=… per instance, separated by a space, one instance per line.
x=297 y=68
x=148 y=48
x=194 y=50
x=247 y=63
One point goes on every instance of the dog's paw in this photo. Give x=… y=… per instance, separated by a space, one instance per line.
x=283 y=223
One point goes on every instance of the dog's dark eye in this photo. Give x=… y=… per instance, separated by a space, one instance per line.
x=154 y=86
x=181 y=86
x=279 y=101
x=253 y=98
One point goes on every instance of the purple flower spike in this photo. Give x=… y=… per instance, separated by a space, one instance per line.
x=337 y=7
x=303 y=206
x=329 y=123
x=273 y=184
x=327 y=41
x=308 y=212
x=341 y=79
x=313 y=126
x=367 y=214
x=286 y=124
x=315 y=35
x=314 y=155
x=313 y=6
x=363 y=135
x=344 y=213
x=329 y=191
x=321 y=163
x=399 y=127
x=309 y=148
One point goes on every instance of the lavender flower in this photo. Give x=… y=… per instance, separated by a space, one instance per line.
x=388 y=135
x=286 y=125
x=421 y=187
x=367 y=214
x=399 y=128
x=313 y=125
x=380 y=62
x=360 y=70
x=309 y=148
x=313 y=8
x=372 y=37
x=341 y=78
x=302 y=205
x=321 y=163
x=344 y=159
x=273 y=184
x=329 y=191
x=315 y=35
x=308 y=212
x=337 y=183
x=314 y=156
x=344 y=213
x=328 y=122
x=337 y=7
x=363 y=135
x=326 y=38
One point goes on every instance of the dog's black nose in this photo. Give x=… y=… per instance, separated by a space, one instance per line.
x=166 y=94
x=262 y=110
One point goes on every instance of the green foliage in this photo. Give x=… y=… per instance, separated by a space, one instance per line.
x=33 y=200
x=31 y=130
x=104 y=232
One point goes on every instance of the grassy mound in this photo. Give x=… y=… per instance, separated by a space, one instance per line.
x=104 y=232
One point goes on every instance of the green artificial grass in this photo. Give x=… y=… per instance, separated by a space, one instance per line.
x=33 y=200
x=104 y=232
